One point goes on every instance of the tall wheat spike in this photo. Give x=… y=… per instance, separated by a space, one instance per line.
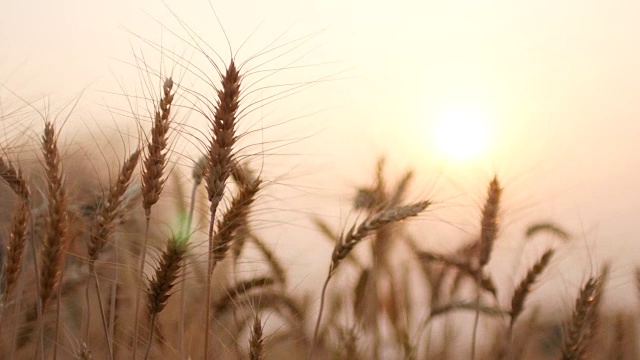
x=56 y=242
x=219 y=165
x=153 y=167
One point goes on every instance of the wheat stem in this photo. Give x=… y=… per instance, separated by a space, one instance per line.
x=218 y=165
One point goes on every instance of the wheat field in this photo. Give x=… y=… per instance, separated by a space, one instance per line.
x=157 y=250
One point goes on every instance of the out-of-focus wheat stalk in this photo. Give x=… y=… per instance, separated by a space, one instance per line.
x=349 y=240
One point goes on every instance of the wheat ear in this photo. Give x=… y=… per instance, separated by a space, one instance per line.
x=489 y=230
x=14 y=178
x=223 y=128
x=55 y=242
x=348 y=241
x=164 y=280
x=19 y=222
x=155 y=159
x=256 y=342
x=524 y=288
x=582 y=327
x=219 y=164
x=108 y=211
x=233 y=219
x=488 y=234
x=101 y=229
x=375 y=222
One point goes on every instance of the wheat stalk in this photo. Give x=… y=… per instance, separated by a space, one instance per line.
x=154 y=163
x=465 y=268
x=276 y=267
x=218 y=165
x=109 y=210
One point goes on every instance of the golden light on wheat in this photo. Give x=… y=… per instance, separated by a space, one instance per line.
x=192 y=233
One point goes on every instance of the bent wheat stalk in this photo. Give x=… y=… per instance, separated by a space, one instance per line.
x=348 y=241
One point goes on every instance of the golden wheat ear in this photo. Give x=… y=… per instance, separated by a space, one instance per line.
x=584 y=322
x=155 y=159
x=233 y=219
x=256 y=341
x=223 y=126
x=218 y=168
x=166 y=274
x=56 y=242
x=111 y=208
x=163 y=281
x=489 y=230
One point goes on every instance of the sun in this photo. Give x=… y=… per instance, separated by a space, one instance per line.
x=461 y=133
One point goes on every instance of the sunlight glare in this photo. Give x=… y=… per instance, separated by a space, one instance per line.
x=461 y=133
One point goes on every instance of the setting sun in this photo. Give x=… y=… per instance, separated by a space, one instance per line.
x=461 y=133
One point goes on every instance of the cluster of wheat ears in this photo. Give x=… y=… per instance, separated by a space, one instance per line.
x=88 y=280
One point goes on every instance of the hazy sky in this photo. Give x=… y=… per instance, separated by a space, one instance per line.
x=557 y=82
